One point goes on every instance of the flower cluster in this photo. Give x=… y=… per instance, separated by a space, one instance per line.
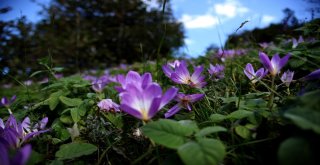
x=216 y=71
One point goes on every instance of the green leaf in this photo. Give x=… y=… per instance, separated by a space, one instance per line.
x=53 y=100
x=66 y=119
x=305 y=118
x=36 y=72
x=239 y=114
x=169 y=133
x=210 y=130
x=115 y=119
x=73 y=150
x=72 y=102
x=203 y=152
x=189 y=123
x=217 y=118
x=75 y=114
x=295 y=151
x=243 y=131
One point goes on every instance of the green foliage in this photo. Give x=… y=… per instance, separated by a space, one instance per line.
x=203 y=151
x=74 y=150
x=169 y=133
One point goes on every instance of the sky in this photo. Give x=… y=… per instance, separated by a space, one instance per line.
x=206 y=22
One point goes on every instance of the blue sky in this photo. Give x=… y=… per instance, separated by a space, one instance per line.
x=204 y=20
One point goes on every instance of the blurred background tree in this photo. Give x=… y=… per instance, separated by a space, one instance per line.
x=90 y=34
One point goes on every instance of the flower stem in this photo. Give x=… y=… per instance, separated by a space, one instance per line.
x=270 y=104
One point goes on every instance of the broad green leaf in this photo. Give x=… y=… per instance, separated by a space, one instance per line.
x=82 y=110
x=210 y=130
x=189 y=123
x=167 y=132
x=53 y=100
x=203 y=152
x=305 y=118
x=239 y=114
x=295 y=151
x=217 y=117
x=243 y=131
x=75 y=114
x=74 y=150
x=72 y=102
x=115 y=119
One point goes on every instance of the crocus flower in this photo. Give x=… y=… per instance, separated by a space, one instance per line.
x=313 y=75
x=141 y=82
x=184 y=101
x=287 y=77
x=6 y=102
x=108 y=105
x=216 y=71
x=20 y=157
x=144 y=103
x=252 y=75
x=17 y=133
x=169 y=68
x=296 y=42
x=181 y=75
x=275 y=65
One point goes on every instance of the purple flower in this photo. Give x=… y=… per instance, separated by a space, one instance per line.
x=169 y=68
x=143 y=99
x=296 y=42
x=20 y=157
x=216 y=71
x=313 y=75
x=17 y=133
x=141 y=82
x=276 y=64
x=108 y=105
x=252 y=75
x=287 y=77
x=181 y=75
x=6 y=102
x=183 y=102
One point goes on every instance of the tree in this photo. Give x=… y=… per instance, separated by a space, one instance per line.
x=88 y=33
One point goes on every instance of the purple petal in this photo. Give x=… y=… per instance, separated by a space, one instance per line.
x=175 y=109
x=26 y=124
x=154 y=108
x=265 y=61
x=13 y=98
x=33 y=134
x=131 y=111
x=4 y=155
x=167 y=70
x=1 y=123
x=146 y=80
x=22 y=155
x=4 y=101
x=194 y=97
x=313 y=75
x=153 y=91
x=168 y=96
x=43 y=122
x=133 y=77
x=249 y=71
x=284 y=61
x=182 y=70
x=197 y=73
x=260 y=73
x=178 y=78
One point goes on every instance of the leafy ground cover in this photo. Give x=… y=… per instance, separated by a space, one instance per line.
x=254 y=105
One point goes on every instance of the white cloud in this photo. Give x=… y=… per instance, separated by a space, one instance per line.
x=267 y=19
x=199 y=21
x=189 y=41
x=230 y=8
